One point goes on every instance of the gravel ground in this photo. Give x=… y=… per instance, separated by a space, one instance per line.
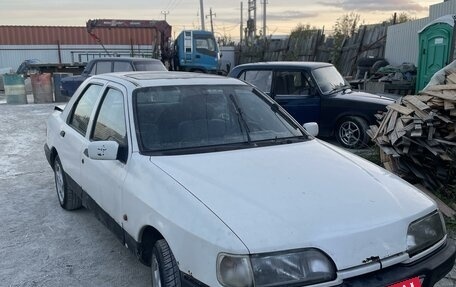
x=40 y=243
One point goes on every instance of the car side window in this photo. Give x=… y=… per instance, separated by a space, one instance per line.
x=80 y=116
x=103 y=67
x=122 y=67
x=292 y=83
x=262 y=79
x=110 y=121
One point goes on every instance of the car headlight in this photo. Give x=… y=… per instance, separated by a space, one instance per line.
x=425 y=232
x=304 y=267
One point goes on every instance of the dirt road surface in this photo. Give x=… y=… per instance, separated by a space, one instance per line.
x=40 y=243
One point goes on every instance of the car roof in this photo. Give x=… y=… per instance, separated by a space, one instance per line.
x=286 y=64
x=165 y=78
x=129 y=59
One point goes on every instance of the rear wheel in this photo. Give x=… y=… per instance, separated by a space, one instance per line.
x=67 y=198
x=165 y=272
x=351 y=132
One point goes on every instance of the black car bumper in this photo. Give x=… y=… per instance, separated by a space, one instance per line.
x=433 y=268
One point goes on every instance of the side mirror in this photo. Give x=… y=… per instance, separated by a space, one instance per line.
x=103 y=150
x=311 y=128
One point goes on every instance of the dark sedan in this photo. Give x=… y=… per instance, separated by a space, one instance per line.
x=109 y=65
x=316 y=92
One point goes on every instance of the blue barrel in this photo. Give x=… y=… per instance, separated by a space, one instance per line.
x=14 y=89
x=57 y=78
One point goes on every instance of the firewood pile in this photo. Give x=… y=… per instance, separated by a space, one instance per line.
x=417 y=135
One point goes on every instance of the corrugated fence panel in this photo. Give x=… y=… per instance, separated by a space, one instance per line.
x=442 y=9
x=402 y=42
x=46 y=35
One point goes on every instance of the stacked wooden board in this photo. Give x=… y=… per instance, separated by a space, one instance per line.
x=417 y=135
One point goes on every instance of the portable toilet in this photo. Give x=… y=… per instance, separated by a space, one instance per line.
x=434 y=49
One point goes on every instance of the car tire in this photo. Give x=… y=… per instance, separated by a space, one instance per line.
x=67 y=198
x=165 y=272
x=351 y=132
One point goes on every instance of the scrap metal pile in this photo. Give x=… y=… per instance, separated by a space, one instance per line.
x=417 y=135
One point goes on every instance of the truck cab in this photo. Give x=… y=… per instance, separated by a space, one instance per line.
x=196 y=51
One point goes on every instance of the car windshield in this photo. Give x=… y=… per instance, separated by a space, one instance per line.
x=149 y=66
x=329 y=79
x=198 y=118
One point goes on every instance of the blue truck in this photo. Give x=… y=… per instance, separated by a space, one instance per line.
x=192 y=51
x=196 y=51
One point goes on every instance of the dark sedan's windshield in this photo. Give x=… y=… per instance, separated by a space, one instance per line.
x=329 y=79
x=189 y=117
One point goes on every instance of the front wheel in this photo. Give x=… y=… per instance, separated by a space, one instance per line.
x=351 y=132
x=165 y=272
x=67 y=198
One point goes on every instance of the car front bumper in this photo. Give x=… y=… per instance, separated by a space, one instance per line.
x=432 y=267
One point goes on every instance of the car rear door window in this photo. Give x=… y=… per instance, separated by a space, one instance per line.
x=122 y=67
x=262 y=79
x=80 y=116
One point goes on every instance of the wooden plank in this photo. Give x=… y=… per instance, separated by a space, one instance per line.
x=384 y=122
x=422 y=115
x=445 y=209
x=446 y=142
x=393 y=137
x=445 y=119
x=440 y=95
x=392 y=122
x=401 y=109
x=417 y=103
x=424 y=98
x=431 y=133
x=451 y=78
x=448 y=105
x=400 y=128
x=441 y=87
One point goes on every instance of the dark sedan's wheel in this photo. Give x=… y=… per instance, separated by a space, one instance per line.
x=165 y=272
x=351 y=132
x=67 y=198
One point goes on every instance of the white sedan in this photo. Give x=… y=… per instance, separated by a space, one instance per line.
x=212 y=183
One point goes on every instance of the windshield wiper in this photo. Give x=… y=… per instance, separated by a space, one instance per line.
x=241 y=119
x=340 y=87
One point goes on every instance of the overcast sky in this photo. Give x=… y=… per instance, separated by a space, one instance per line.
x=282 y=15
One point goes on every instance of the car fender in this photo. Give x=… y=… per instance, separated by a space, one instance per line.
x=153 y=198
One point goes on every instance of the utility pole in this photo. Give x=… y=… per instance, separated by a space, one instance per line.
x=265 y=2
x=165 y=13
x=210 y=16
x=203 y=27
x=242 y=23
x=251 y=22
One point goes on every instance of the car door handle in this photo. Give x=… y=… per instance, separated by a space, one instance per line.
x=62 y=134
x=197 y=56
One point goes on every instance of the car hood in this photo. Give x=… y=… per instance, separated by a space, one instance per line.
x=308 y=194
x=366 y=97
